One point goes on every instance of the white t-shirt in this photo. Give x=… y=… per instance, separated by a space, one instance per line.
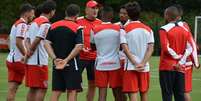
x=39 y=28
x=18 y=30
x=137 y=36
x=106 y=37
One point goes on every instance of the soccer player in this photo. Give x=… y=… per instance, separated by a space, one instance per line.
x=137 y=43
x=123 y=16
x=106 y=40
x=37 y=57
x=175 y=48
x=88 y=56
x=68 y=78
x=16 y=69
x=192 y=59
x=124 y=19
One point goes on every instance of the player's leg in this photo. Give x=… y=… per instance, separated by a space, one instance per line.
x=42 y=73
x=31 y=96
x=91 y=90
x=91 y=80
x=55 y=95
x=166 y=84
x=101 y=81
x=144 y=78
x=58 y=84
x=187 y=96
x=102 y=94
x=16 y=72
x=72 y=95
x=115 y=82
x=123 y=95
x=144 y=96
x=72 y=81
x=130 y=84
x=188 y=84
x=117 y=94
x=132 y=96
x=40 y=94
x=12 y=89
x=179 y=86
x=36 y=80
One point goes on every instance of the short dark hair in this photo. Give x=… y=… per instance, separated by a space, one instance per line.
x=133 y=9
x=48 y=6
x=105 y=10
x=172 y=12
x=180 y=9
x=72 y=10
x=25 y=8
x=38 y=10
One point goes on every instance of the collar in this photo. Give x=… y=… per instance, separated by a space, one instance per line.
x=89 y=19
x=44 y=17
x=137 y=21
x=106 y=22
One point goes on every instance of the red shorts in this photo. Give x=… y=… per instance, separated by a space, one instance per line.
x=16 y=71
x=188 y=80
x=36 y=76
x=134 y=81
x=105 y=78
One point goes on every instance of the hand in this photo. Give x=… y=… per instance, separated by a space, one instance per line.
x=60 y=64
x=57 y=60
x=197 y=67
x=179 y=68
x=24 y=59
x=140 y=67
x=86 y=49
x=29 y=53
x=179 y=56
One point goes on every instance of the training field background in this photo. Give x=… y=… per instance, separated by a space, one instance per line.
x=154 y=91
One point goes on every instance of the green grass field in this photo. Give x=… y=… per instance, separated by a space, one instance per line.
x=154 y=91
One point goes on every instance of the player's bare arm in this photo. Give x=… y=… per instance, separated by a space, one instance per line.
x=35 y=44
x=74 y=53
x=147 y=56
x=128 y=53
x=20 y=46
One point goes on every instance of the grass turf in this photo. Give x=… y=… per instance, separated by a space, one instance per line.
x=154 y=91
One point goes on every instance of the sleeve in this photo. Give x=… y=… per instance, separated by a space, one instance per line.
x=165 y=45
x=163 y=40
x=92 y=41
x=188 y=51
x=151 y=37
x=79 y=38
x=194 y=54
x=21 y=30
x=122 y=36
x=43 y=30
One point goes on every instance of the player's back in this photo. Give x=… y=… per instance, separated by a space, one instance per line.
x=63 y=35
x=38 y=28
x=107 y=40
x=177 y=37
x=18 y=30
x=138 y=36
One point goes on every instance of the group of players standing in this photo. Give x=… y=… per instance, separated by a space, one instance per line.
x=115 y=55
